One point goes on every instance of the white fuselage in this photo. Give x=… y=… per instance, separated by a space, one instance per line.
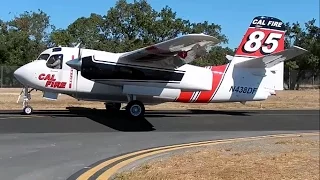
x=198 y=85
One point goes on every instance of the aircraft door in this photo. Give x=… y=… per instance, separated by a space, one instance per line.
x=63 y=76
x=69 y=75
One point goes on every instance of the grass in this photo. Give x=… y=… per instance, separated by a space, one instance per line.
x=306 y=99
x=292 y=158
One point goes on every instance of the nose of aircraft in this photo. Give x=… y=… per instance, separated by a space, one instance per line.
x=19 y=74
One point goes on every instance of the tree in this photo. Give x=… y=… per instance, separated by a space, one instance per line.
x=216 y=56
x=128 y=26
x=24 y=37
x=308 y=37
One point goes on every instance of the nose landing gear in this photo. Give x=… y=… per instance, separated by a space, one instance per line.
x=26 y=108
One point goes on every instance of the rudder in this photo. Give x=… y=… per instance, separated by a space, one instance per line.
x=264 y=36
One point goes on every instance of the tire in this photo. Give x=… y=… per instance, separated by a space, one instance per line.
x=27 y=110
x=135 y=109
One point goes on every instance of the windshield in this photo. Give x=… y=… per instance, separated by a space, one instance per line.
x=43 y=57
x=55 y=61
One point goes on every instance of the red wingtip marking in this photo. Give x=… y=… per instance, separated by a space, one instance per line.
x=183 y=54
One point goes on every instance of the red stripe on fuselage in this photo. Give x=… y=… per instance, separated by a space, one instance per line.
x=217 y=73
x=205 y=96
x=184 y=96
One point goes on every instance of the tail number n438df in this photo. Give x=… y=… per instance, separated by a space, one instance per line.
x=243 y=89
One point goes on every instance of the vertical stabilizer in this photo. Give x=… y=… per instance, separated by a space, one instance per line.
x=264 y=36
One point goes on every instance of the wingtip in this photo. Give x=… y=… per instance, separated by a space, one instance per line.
x=212 y=38
x=300 y=48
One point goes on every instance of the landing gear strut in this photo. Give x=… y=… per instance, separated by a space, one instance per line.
x=26 y=108
x=135 y=108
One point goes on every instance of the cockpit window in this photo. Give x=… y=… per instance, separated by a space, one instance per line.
x=43 y=57
x=55 y=61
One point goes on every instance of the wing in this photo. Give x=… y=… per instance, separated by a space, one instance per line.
x=184 y=46
x=272 y=59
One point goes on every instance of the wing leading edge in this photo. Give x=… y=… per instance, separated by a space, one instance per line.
x=186 y=47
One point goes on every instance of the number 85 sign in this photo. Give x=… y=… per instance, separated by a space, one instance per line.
x=261 y=42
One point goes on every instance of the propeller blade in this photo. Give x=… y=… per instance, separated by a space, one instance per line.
x=76 y=63
x=79 y=52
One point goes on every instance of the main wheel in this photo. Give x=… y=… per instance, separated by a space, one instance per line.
x=27 y=110
x=135 y=109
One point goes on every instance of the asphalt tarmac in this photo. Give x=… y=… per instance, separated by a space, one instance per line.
x=63 y=144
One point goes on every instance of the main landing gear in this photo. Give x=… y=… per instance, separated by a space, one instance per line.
x=26 y=108
x=135 y=108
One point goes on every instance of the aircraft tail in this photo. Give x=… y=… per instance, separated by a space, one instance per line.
x=262 y=47
x=264 y=36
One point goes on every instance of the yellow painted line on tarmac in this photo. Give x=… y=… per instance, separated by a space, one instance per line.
x=127 y=159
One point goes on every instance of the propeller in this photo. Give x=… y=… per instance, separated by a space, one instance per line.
x=76 y=63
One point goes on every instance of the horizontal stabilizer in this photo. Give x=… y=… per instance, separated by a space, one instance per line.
x=229 y=57
x=272 y=59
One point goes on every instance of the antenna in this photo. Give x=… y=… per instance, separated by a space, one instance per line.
x=78 y=45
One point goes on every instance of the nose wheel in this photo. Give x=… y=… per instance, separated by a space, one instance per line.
x=135 y=109
x=26 y=108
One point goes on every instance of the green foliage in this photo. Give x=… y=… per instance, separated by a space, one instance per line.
x=23 y=38
x=307 y=37
x=216 y=56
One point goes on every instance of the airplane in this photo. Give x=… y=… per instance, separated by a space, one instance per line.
x=162 y=72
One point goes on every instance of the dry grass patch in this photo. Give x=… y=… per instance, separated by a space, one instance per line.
x=298 y=142
x=254 y=160
x=306 y=99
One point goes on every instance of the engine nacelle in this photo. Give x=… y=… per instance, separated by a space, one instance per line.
x=187 y=77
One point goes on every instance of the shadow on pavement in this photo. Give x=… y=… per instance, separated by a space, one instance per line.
x=84 y=120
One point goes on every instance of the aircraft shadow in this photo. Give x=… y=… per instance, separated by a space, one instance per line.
x=118 y=121
x=121 y=122
x=82 y=111
x=86 y=120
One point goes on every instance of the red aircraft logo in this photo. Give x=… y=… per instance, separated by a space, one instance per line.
x=51 y=81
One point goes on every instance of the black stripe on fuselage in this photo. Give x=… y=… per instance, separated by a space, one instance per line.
x=135 y=81
x=137 y=66
x=109 y=70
